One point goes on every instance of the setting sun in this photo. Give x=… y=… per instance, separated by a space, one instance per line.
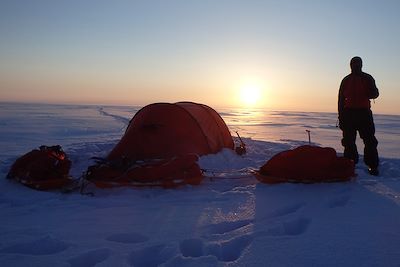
x=250 y=94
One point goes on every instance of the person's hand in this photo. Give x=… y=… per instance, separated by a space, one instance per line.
x=340 y=122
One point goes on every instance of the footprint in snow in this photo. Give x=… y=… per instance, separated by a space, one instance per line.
x=151 y=256
x=230 y=250
x=181 y=261
x=289 y=209
x=225 y=227
x=340 y=201
x=43 y=246
x=290 y=228
x=193 y=247
x=226 y=251
x=90 y=258
x=128 y=238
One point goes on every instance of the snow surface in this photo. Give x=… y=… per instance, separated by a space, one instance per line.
x=229 y=220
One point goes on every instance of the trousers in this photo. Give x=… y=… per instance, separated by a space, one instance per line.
x=352 y=121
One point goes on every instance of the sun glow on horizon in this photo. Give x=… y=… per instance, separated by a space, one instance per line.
x=250 y=94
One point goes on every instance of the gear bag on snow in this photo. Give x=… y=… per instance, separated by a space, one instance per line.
x=169 y=172
x=43 y=169
x=306 y=164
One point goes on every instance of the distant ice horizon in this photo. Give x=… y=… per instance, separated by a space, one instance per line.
x=216 y=107
x=257 y=123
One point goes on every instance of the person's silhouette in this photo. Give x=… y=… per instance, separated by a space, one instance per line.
x=355 y=114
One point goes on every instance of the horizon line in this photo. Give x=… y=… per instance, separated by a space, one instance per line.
x=143 y=105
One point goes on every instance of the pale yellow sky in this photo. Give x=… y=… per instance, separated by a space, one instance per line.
x=294 y=52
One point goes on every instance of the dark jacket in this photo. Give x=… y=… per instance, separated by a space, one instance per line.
x=356 y=90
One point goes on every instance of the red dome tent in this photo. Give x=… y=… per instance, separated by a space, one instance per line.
x=164 y=130
x=161 y=147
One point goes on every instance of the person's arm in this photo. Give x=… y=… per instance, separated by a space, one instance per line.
x=374 y=92
x=340 y=100
x=340 y=105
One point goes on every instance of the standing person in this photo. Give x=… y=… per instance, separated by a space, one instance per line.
x=355 y=114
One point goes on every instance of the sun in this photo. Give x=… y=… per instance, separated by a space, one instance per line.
x=250 y=94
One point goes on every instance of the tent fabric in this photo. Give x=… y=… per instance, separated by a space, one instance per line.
x=307 y=164
x=165 y=130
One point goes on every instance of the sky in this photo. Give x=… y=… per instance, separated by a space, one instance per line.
x=282 y=55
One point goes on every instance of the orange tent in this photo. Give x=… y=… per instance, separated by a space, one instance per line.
x=164 y=130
